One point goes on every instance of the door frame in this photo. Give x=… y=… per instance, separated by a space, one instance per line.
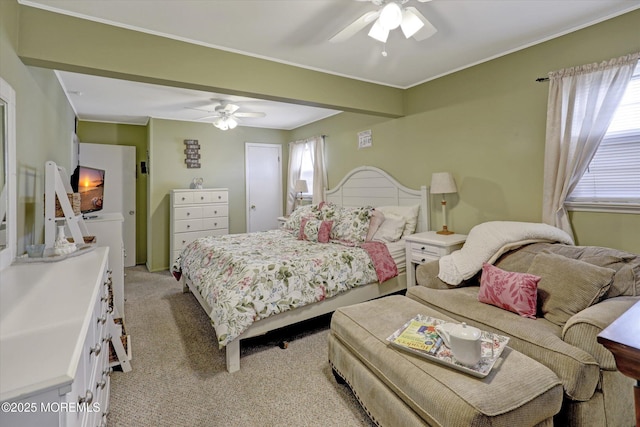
x=247 y=202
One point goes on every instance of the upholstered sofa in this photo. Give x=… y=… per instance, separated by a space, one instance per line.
x=589 y=287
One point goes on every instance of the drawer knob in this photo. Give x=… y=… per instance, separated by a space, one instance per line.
x=215 y=224
x=219 y=197
x=188 y=213
x=183 y=198
x=87 y=398
x=184 y=241
x=188 y=225
x=95 y=350
x=215 y=212
x=423 y=248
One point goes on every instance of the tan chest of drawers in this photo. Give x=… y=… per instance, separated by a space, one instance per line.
x=197 y=213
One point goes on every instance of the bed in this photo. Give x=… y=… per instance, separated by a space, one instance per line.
x=240 y=281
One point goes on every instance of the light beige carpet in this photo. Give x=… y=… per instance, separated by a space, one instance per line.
x=179 y=376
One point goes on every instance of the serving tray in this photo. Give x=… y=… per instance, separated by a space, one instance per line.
x=492 y=347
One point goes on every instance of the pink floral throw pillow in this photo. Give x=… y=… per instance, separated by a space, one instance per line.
x=315 y=230
x=511 y=291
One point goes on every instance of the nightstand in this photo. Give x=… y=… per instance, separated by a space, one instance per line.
x=429 y=246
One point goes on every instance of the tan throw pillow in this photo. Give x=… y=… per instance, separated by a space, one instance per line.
x=568 y=286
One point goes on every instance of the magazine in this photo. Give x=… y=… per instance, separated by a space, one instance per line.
x=419 y=336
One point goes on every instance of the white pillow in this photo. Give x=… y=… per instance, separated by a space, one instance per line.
x=408 y=213
x=390 y=230
x=377 y=218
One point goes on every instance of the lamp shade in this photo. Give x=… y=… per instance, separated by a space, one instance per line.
x=301 y=186
x=443 y=183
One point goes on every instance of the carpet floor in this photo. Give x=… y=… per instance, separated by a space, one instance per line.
x=179 y=375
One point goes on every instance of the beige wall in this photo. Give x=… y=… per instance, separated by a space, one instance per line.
x=128 y=135
x=45 y=126
x=486 y=125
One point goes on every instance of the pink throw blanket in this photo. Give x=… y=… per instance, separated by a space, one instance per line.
x=384 y=264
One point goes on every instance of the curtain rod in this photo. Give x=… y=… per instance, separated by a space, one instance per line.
x=542 y=79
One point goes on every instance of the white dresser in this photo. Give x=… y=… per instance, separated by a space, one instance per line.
x=197 y=213
x=108 y=229
x=54 y=342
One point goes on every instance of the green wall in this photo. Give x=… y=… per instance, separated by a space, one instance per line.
x=486 y=125
x=44 y=128
x=128 y=135
x=222 y=160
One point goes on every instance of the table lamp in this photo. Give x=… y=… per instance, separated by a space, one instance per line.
x=300 y=187
x=443 y=183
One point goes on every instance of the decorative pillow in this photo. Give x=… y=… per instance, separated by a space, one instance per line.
x=568 y=286
x=390 y=230
x=511 y=291
x=351 y=224
x=408 y=213
x=306 y=211
x=315 y=230
x=377 y=218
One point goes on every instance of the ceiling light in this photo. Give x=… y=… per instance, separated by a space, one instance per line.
x=411 y=24
x=378 y=32
x=390 y=16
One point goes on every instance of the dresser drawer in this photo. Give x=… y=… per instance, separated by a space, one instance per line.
x=183 y=198
x=188 y=212
x=421 y=249
x=215 y=211
x=215 y=223
x=183 y=239
x=187 y=225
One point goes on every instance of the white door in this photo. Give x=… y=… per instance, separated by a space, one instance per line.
x=119 y=164
x=263 y=177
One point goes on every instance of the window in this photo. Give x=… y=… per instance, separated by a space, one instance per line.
x=612 y=181
x=306 y=170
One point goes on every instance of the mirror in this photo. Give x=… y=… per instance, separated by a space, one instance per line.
x=8 y=199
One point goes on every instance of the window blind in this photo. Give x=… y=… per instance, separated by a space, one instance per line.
x=614 y=172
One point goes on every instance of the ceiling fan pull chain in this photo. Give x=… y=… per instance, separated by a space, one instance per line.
x=384 y=50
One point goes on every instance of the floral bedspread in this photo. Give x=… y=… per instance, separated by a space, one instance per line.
x=248 y=277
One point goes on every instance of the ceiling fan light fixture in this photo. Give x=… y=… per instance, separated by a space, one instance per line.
x=221 y=124
x=378 y=32
x=411 y=24
x=390 y=16
x=232 y=123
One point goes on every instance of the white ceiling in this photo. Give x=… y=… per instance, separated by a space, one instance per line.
x=296 y=32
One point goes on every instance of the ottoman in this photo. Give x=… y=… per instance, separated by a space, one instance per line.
x=398 y=388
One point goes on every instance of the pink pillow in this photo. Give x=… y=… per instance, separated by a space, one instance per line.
x=315 y=230
x=511 y=291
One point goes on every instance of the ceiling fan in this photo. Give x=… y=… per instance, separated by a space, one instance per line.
x=390 y=15
x=226 y=115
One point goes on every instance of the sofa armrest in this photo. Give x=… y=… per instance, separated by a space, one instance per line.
x=582 y=329
x=427 y=275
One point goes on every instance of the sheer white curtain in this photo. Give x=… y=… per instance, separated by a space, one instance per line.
x=315 y=148
x=581 y=104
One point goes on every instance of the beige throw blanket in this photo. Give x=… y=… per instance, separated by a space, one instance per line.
x=487 y=241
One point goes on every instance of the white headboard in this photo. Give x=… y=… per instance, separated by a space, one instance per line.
x=370 y=186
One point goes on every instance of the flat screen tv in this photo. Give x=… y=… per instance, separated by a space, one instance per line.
x=89 y=182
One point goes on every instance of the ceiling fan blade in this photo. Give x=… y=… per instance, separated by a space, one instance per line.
x=427 y=30
x=357 y=25
x=424 y=1
x=211 y=116
x=249 y=114
x=230 y=108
